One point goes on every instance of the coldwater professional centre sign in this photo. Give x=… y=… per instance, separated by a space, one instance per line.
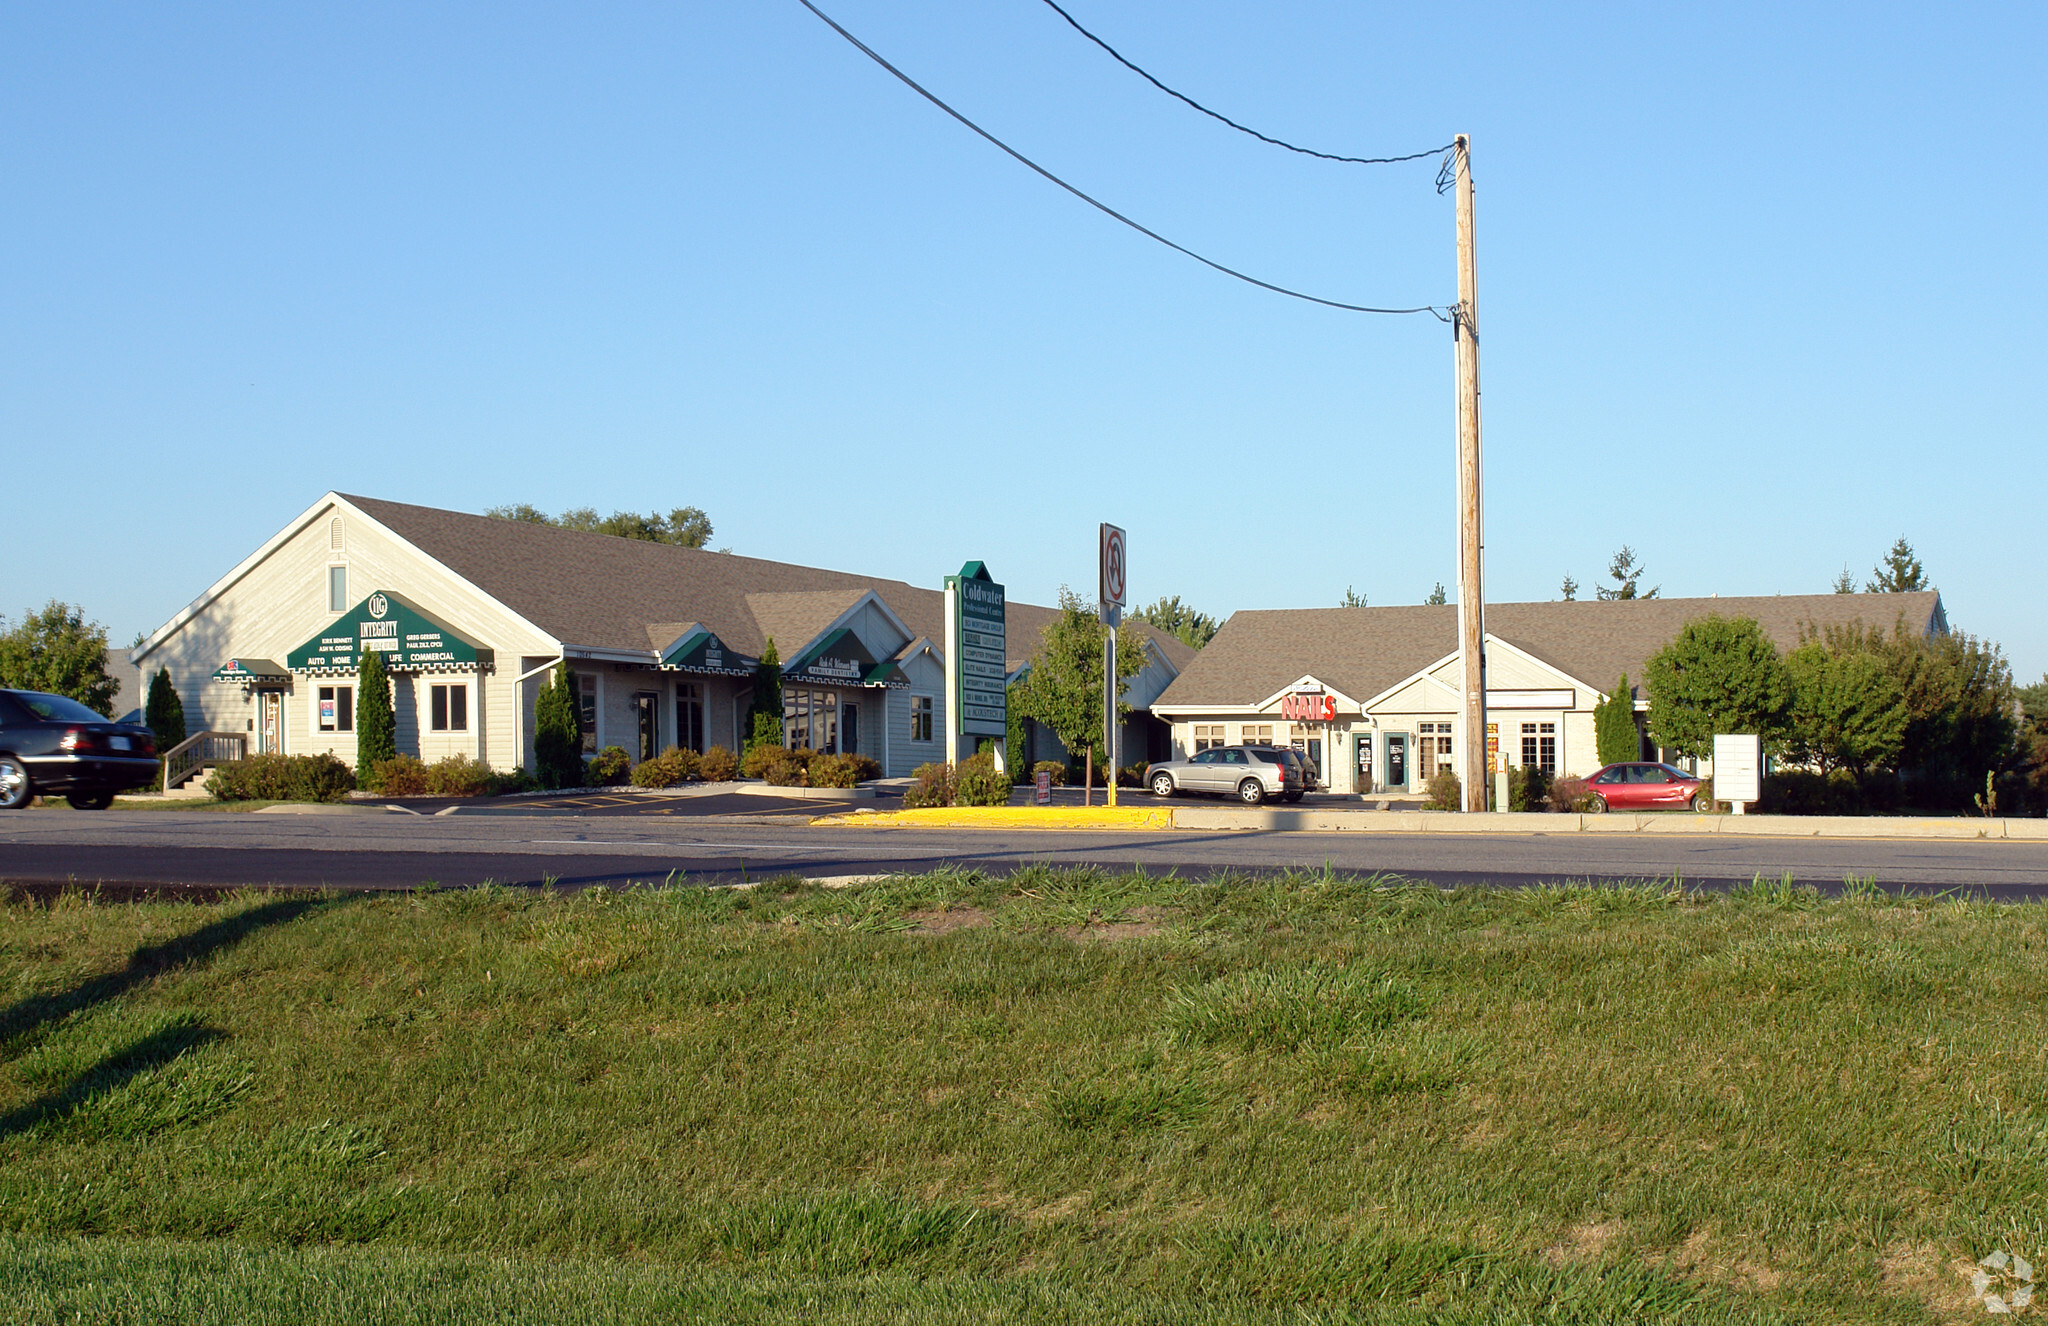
x=980 y=697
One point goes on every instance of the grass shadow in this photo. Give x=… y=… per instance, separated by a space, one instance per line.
x=20 y=1021
x=112 y=1073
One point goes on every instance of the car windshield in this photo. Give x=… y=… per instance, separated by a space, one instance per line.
x=58 y=708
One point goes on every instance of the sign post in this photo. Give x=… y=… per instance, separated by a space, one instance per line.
x=1111 y=580
x=977 y=663
x=1738 y=770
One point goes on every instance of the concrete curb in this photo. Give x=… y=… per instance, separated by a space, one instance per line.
x=1007 y=817
x=1671 y=825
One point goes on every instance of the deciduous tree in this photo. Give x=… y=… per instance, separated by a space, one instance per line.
x=1179 y=620
x=1063 y=688
x=683 y=526
x=1718 y=675
x=764 y=713
x=1848 y=711
x=58 y=652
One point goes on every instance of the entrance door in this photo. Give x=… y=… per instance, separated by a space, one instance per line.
x=1397 y=761
x=270 y=722
x=1363 y=763
x=647 y=720
x=849 y=729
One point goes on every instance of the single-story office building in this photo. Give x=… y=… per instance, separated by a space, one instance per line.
x=472 y=613
x=1372 y=693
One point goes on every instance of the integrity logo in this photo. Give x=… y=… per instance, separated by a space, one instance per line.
x=2004 y=1283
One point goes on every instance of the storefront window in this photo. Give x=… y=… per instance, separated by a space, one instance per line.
x=337 y=708
x=810 y=720
x=690 y=716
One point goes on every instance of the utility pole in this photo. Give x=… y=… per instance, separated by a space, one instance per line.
x=1473 y=773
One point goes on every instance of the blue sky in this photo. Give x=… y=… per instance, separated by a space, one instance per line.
x=1761 y=288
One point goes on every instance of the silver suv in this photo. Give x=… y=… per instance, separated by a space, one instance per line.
x=1249 y=773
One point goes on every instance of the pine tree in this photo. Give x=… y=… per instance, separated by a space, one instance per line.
x=1569 y=589
x=1626 y=571
x=376 y=728
x=558 y=731
x=1899 y=573
x=1352 y=598
x=165 y=712
x=1845 y=583
x=1615 y=738
x=764 y=715
x=1437 y=598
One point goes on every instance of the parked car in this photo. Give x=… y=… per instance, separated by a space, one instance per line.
x=51 y=745
x=1249 y=773
x=1645 y=787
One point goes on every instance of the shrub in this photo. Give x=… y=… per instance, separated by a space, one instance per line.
x=518 y=780
x=376 y=728
x=865 y=767
x=1568 y=795
x=1444 y=791
x=1053 y=767
x=933 y=787
x=399 y=776
x=1805 y=792
x=834 y=771
x=460 y=776
x=283 y=778
x=1528 y=787
x=775 y=765
x=668 y=769
x=977 y=782
x=718 y=765
x=1132 y=775
x=165 y=713
x=610 y=767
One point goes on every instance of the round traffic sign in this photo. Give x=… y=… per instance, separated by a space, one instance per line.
x=1113 y=565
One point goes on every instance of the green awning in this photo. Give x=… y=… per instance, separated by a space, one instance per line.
x=410 y=640
x=698 y=650
x=248 y=670
x=839 y=659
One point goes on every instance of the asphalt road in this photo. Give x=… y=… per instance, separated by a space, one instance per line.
x=385 y=850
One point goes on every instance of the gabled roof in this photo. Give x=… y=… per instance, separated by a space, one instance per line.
x=600 y=591
x=1364 y=651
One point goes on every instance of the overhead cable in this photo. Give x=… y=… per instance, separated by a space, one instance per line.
x=1118 y=56
x=1100 y=206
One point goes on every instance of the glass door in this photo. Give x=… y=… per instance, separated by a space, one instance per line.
x=270 y=722
x=1397 y=761
x=849 y=728
x=647 y=723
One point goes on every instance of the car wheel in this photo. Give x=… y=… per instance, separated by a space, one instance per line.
x=1162 y=785
x=90 y=800
x=1251 y=791
x=1599 y=806
x=15 y=787
x=1701 y=804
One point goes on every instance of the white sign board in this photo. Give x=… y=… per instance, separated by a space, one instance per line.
x=1738 y=769
x=1110 y=592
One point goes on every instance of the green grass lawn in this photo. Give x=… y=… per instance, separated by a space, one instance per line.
x=1053 y=1097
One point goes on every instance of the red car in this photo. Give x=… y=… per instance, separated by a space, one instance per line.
x=1646 y=787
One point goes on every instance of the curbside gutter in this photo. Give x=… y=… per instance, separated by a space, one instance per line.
x=1008 y=817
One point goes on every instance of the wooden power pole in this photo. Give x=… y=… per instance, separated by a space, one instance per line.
x=1473 y=771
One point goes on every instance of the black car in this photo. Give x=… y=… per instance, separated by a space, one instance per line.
x=52 y=746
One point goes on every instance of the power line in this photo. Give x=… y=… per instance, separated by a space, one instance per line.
x=1100 y=206
x=1118 y=56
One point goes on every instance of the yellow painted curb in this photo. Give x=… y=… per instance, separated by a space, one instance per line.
x=1007 y=817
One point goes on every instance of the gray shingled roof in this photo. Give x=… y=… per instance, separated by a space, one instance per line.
x=605 y=592
x=1363 y=651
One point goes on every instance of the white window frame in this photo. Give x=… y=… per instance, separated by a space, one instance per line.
x=337 y=603
x=448 y=690
x=338 y=687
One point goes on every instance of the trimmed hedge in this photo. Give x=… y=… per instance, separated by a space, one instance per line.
x=671 y=768
x=282 y=778
x=718 y=765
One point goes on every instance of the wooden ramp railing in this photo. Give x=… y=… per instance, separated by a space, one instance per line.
x=196 y=753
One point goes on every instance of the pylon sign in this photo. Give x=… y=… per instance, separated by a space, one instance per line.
x=977 y=665
x=1113 y=577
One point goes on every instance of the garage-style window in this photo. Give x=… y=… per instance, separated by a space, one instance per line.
x=920 y=718
x=337 y=708
x=448 y=708
x=1257 y=734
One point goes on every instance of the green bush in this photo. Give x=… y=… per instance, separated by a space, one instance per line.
x=518 y=780
x=933 y=786
x=977 y=782
x=399 y=776
x=866 y=767
x=376 y=727
x=671 y=768
x=775 y=765
x=611 y=768
x=1444 y=791
x=558 y=731
x=1053 y=767
x=1805 y=792
x=718 y=765
x=283 y=778
x=165 y=713
x=1528 y=787
x=1133 y=775
x=460 y=776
